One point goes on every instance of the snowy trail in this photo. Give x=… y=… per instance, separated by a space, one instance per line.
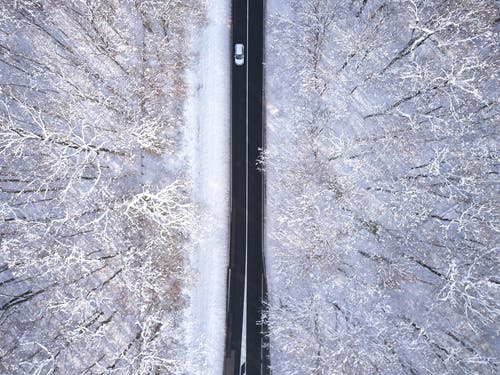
x=207 y=149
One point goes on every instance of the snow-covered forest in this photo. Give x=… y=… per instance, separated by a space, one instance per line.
x=382 y=186
x=96 y=216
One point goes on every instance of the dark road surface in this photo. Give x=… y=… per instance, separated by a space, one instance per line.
x=247 y=196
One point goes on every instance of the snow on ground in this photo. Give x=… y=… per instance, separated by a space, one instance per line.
x=207 y=149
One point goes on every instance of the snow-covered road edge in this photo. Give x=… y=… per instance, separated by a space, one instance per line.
x=207 y=150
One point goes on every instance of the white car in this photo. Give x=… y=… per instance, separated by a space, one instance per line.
x=239 y=54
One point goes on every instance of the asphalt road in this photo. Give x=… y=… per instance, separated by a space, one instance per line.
x=247 y=196
x=237 y=253
x=256 y=356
